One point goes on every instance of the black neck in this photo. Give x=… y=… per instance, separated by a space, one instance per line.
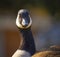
x=29 y=45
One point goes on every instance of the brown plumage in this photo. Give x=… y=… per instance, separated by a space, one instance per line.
x=55 y=48
x=53 y=51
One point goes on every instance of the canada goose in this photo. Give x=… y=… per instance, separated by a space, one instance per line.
x=24 y=22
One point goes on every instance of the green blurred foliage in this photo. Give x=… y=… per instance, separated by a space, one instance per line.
x=52 y=5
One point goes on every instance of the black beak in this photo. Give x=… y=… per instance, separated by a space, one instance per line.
x=25 y=21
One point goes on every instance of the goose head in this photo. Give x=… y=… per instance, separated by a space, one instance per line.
x=23 y=19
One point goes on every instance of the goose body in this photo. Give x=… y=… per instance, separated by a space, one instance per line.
x=23 y=23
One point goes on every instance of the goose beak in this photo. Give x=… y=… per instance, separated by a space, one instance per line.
x=24 y=22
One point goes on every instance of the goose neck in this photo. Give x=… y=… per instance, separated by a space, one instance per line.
x=28 y=41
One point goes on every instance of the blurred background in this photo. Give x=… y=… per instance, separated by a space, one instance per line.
x=46 y=24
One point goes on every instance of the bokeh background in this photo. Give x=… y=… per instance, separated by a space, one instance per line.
x=46 y=24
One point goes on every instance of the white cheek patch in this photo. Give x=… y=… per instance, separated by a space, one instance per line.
x=20 y=26
x=18 y=22
x=21 y=53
